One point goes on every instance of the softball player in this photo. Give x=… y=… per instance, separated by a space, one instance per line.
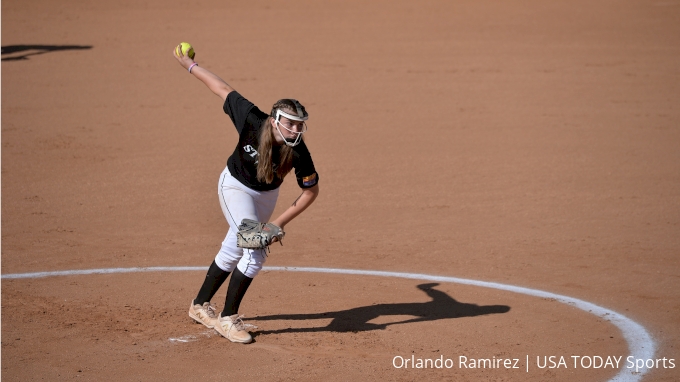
x=269 y=146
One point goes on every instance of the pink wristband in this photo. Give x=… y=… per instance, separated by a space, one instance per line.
x=192 y=65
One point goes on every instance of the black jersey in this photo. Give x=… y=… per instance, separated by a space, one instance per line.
x=248 y=119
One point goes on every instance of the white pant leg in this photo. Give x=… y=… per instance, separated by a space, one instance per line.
x=239 y=202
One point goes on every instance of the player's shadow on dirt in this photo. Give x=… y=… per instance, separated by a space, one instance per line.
x=9 y=51
x=441 y=307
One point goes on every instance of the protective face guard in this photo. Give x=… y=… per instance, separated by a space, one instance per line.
x=279 y=114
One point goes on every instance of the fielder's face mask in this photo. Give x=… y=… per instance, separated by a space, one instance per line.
x=301 y=117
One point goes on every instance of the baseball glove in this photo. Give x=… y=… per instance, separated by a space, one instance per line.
x=255 y=235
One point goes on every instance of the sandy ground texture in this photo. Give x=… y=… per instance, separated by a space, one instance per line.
x=531 y=143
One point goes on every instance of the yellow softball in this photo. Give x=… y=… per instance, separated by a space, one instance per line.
x=187 y=49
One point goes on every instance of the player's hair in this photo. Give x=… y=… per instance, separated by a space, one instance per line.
x=266 y=170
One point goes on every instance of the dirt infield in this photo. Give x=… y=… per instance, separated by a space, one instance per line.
x=527 y=143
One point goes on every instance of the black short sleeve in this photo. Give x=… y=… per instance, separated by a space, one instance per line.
x=238 y=109
x=305 y=172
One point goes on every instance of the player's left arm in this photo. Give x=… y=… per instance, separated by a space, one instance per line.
x=300 y=204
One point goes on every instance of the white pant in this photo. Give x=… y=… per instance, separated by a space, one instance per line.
x=240 y=202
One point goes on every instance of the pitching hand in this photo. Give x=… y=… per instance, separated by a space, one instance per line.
x=183 y=59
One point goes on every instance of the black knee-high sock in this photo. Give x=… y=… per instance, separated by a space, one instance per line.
x=238 y=285
x=213 y=281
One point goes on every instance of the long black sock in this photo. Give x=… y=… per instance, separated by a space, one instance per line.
x=238 y=285
x=213 y=281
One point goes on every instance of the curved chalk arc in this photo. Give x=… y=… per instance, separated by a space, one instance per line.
x=640 y=343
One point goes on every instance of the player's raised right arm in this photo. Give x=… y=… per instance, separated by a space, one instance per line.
x=212 y=81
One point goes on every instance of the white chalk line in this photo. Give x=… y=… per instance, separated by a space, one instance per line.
x=640 y=343
x=192 y=338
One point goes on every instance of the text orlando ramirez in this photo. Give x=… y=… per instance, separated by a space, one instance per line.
x=542 y=362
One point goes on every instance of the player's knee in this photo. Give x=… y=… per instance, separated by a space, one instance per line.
x=250 y=270
x=252 y=265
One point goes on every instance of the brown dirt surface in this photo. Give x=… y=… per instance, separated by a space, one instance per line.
x=529 y=143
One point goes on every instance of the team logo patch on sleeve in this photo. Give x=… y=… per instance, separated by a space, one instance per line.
x=308 y=181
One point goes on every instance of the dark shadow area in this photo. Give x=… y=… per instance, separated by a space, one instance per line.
x=441 y=307
x=33 y=50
